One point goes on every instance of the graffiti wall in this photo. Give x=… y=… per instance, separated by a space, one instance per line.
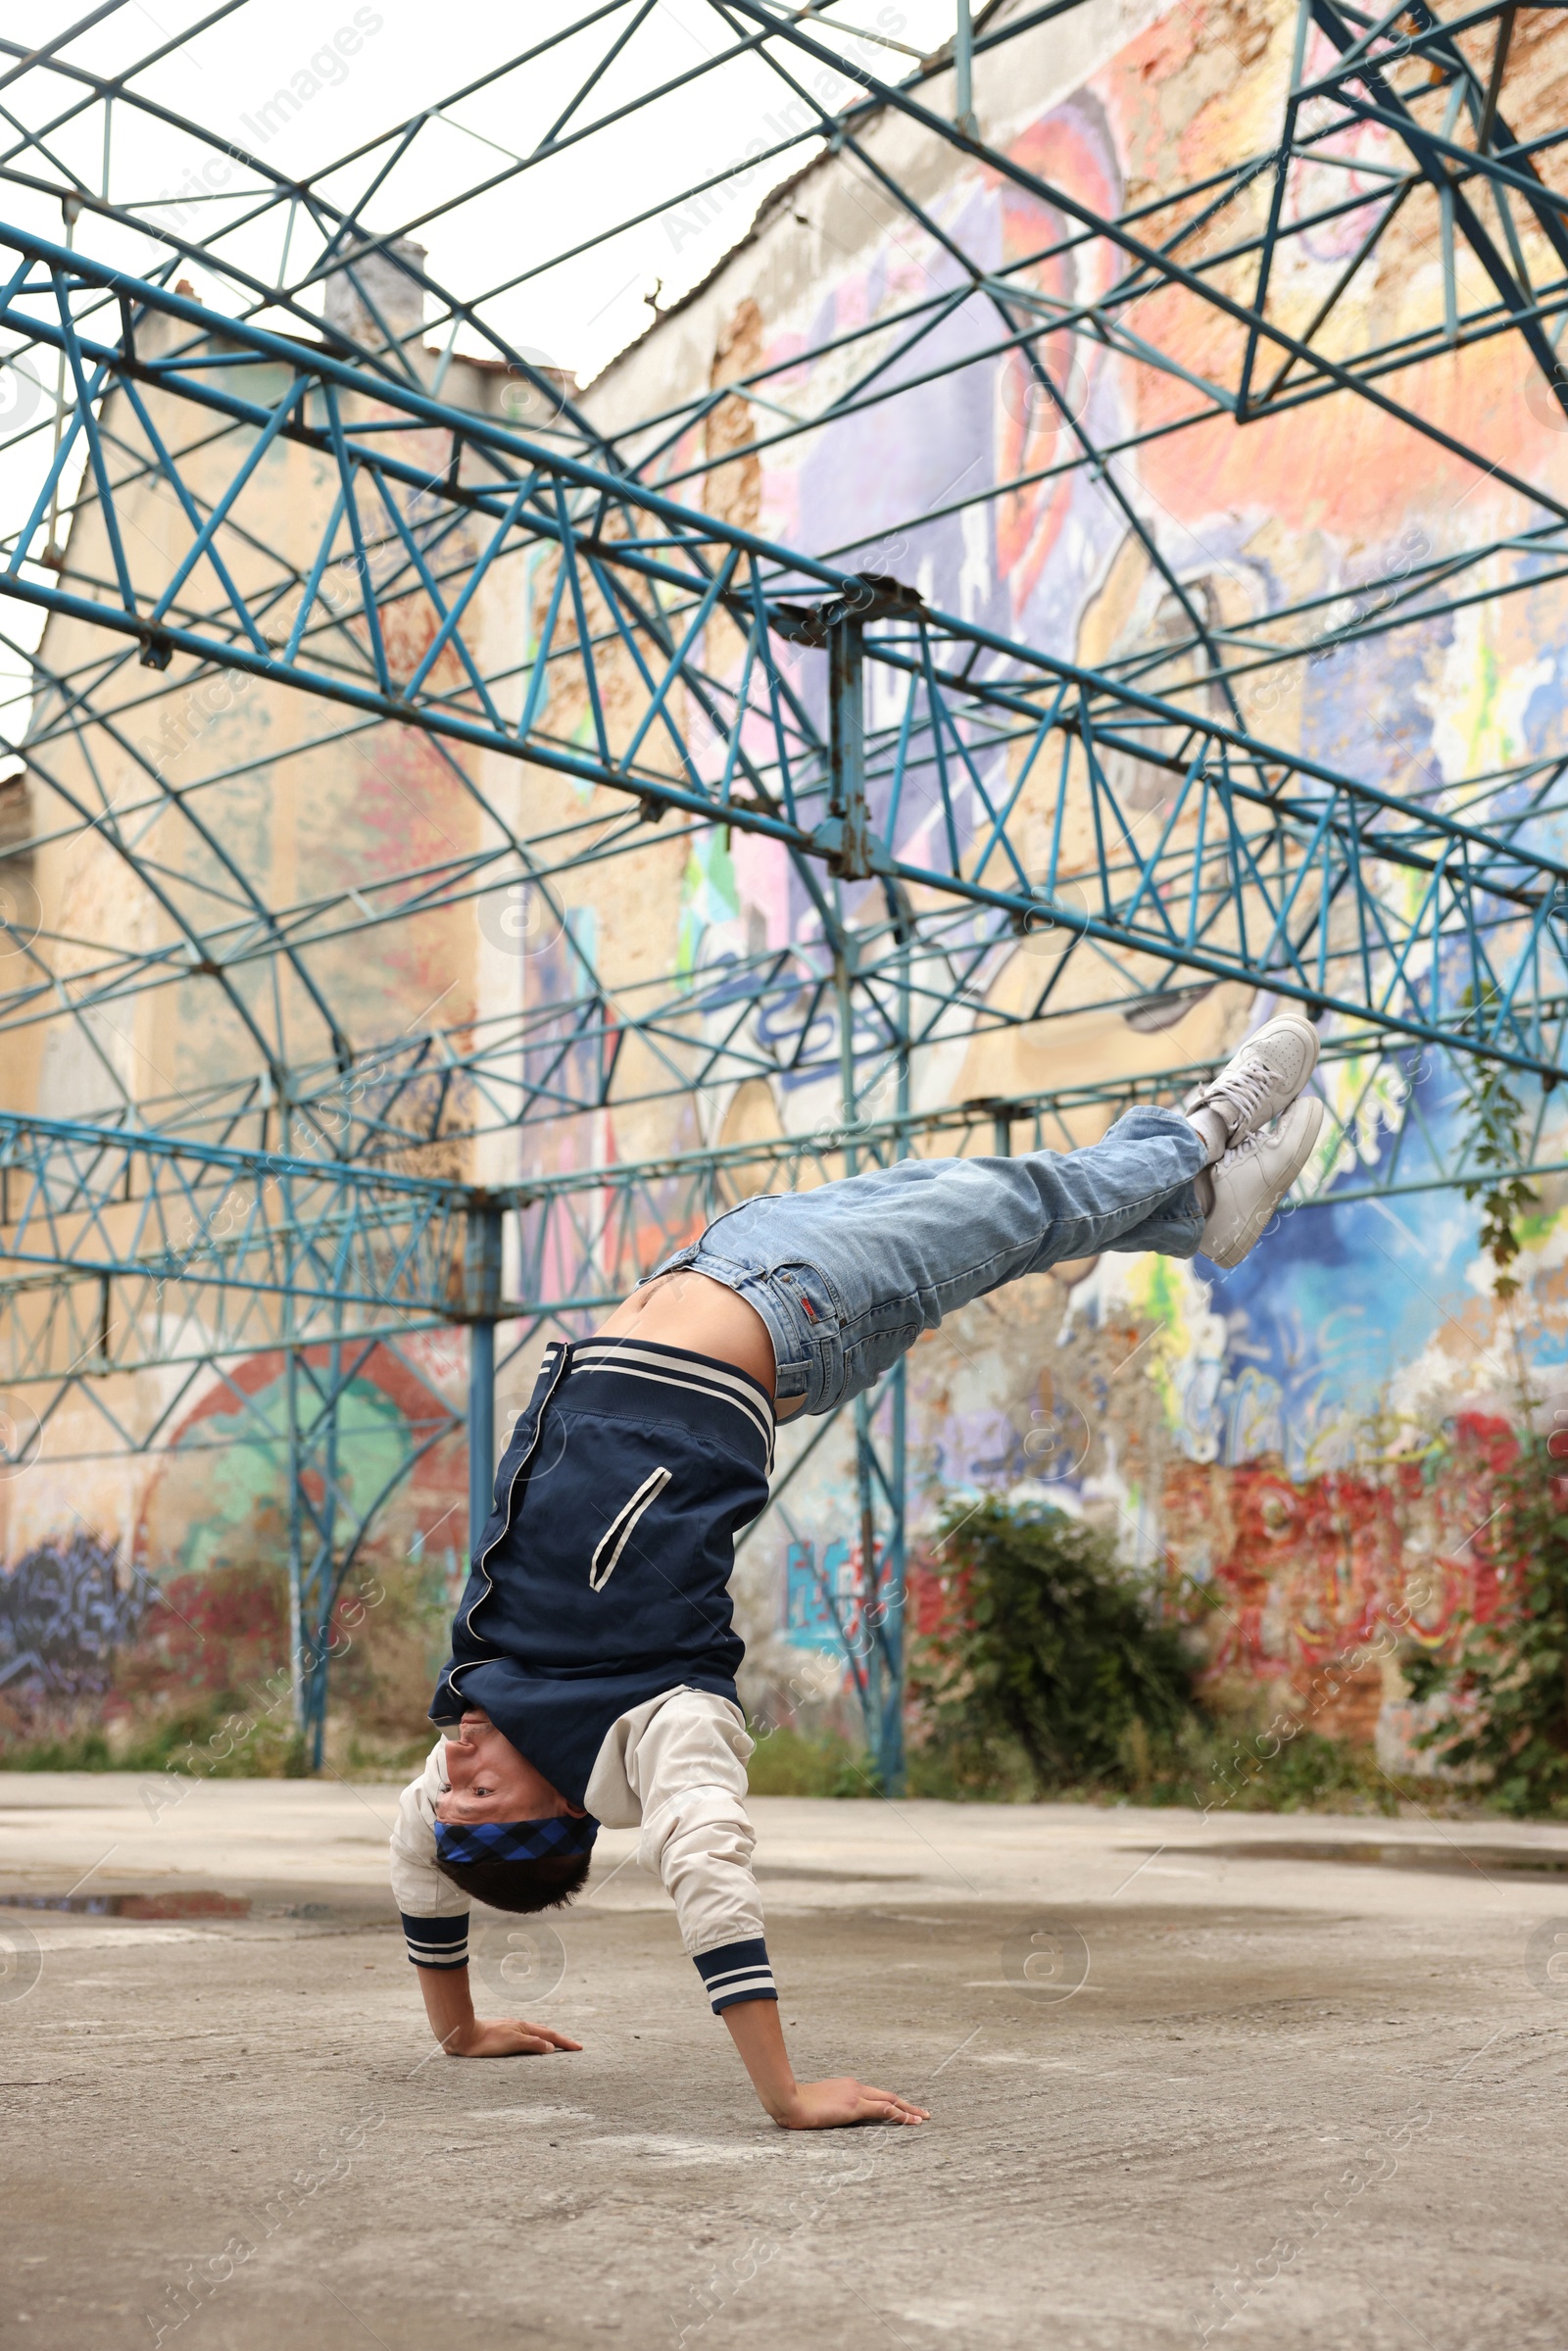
x=151 y=1640
x=1310 y=1438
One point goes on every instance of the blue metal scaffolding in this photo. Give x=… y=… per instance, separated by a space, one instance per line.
x=709 y=680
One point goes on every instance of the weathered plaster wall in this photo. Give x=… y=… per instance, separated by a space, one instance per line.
x=1310 y=1436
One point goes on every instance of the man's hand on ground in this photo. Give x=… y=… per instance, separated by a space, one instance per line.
x=506 y=2036
x=829 y=2105
x=757 y=2034
x=449 y=2005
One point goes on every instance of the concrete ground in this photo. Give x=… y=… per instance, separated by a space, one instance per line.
x=1289 y=2080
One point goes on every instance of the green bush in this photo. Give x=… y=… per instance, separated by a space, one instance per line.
x=1054 y=1674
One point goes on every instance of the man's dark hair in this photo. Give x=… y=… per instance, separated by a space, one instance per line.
x=521 y=1885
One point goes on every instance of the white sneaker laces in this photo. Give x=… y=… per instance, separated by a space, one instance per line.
x=1243 y=1089
x=1243 y=1149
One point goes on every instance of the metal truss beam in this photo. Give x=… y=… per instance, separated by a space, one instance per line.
x=1214 y=242
x=1260 y=865
x=125 y=1249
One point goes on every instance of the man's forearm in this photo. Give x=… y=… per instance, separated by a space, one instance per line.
x=448 y=2003
x=756 y=2031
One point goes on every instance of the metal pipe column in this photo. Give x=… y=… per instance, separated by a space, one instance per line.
x=481 y=1308
x=964 y=114
x=881 y=1609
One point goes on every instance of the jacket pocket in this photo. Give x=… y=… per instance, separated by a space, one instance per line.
x=619 y=1533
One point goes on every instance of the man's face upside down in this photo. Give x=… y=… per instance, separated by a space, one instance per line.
x=491 y=1782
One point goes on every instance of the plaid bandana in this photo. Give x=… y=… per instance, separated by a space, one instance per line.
x=516 y=1841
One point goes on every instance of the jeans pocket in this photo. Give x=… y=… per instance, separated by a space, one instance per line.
x=816 y=1315
x=814 y=1292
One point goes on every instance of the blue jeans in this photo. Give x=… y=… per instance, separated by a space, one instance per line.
x=847 y=1277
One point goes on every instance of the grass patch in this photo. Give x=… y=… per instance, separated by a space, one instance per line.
x=785 y=1763
x=219 y=1740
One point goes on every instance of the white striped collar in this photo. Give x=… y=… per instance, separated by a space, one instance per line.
x=646 y=1359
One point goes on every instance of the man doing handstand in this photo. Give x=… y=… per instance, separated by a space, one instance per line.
x=592 y=1676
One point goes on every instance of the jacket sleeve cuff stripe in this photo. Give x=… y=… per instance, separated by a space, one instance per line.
x=437 y=1942
x=736 y=1971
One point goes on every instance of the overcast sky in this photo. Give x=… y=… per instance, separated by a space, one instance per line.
x=354 y=73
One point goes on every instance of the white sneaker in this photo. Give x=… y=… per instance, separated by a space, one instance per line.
x=1262 y=1079
x=1252 y=1179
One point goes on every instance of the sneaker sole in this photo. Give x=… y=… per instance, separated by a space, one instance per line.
x=1252 y=1231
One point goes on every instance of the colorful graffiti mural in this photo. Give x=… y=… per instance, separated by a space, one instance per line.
x=194 y=1613
x=64 y=1617
x=1311 y=1435
x=1308 y=1439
